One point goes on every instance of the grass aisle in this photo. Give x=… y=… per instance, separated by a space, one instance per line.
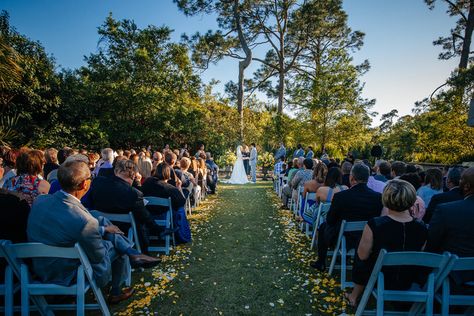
x=247 y=258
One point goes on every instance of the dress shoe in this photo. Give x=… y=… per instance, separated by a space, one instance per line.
x=126 y=294
x=318 y=265
x=143 y=261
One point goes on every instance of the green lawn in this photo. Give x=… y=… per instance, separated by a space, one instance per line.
x=247 y=258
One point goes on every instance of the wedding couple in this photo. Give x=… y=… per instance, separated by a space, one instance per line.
x=239 y=176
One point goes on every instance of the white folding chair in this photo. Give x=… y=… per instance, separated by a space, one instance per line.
x=132 y=234
x=446 y=298
x=342 y=251
x=31 y=288
x=320 y=216
x=166 y=222
x=423 y=296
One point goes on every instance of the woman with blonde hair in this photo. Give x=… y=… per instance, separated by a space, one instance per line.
x=397 y=231
x=319 y=176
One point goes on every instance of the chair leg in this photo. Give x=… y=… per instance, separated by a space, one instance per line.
x=430 y=298
x=8 y=291
x=313 y=239
x=25 y=297
x=80 y=303
x=380 y=295
x=128 y=281
x=343 y=264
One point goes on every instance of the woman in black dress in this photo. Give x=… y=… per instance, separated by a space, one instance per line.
x=397 y=231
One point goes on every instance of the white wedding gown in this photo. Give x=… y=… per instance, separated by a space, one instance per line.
x=239 y=176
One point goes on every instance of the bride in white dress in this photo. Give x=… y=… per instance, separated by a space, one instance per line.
x=239 y=176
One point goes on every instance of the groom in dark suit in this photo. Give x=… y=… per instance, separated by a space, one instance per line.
x=359 y=203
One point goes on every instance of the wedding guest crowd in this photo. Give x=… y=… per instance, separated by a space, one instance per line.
x=406 y=207
x=55 y=195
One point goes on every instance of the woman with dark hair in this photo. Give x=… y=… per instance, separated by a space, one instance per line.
x=29 y=183
x=332 y=185
x=9 y=160
x=433 y=184
x=157 y=185
x=397 y=231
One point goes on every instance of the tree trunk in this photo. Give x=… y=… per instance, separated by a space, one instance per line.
x=242 y=66
x=466 y=46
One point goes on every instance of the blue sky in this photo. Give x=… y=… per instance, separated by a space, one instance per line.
x=398 y=42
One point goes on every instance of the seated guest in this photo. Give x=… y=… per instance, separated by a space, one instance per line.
x=157 y=159
x=418 y=209
x=158 y=186
x=346 y=172
x=62 y=156
x=13 y=218
x=55 y=186
x=51 y=156
x=29 y=183
x=93 y=158
x=382 y=169
x=9 y=161
x=433 y=185
x=144 y=165
x=454 y=193
x=176 y=175
x=61 y=220
x=14 y=212
x=288 y=188
x=397 y=231
x=451 y=227
x=201 y=174
x=332 y=185
x=303 y=176
x=289 y=167
x=117 y=195
x=319 y=176
x=184 y=164
x=399 y=168
x=213 y=173
x=359 y=203
x=106 y=162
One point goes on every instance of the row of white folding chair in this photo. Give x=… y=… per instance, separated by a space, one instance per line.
x=436 y=288
x=422 y=297
x=35 y=291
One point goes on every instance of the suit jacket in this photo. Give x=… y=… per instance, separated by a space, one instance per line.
x=281 y=152
x=13 y=216
x=451 y=229
x=61 y=220
x=450 y=196
x=359 y=203
x=253 y=156
x=114 y=195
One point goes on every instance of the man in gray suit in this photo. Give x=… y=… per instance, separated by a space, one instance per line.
x=61 y=220
x=253 y=162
